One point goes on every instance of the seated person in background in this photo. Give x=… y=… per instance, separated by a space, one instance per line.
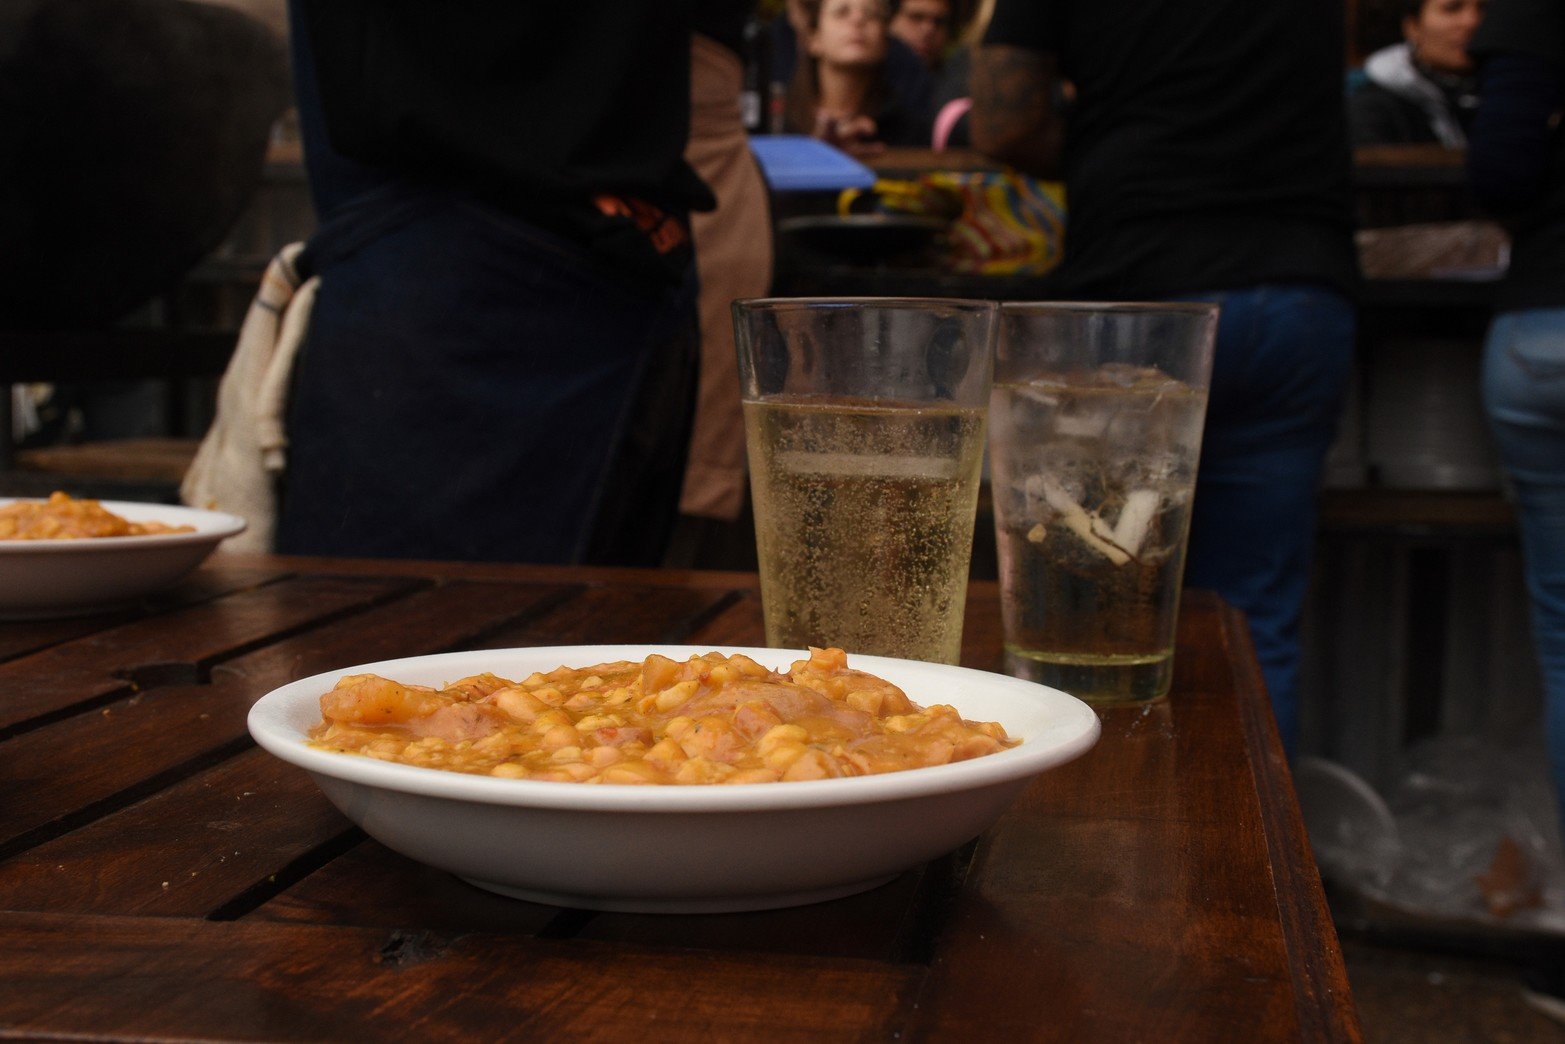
x=906 y=75
x=841 y=91
x=925 y=26
x=1422 y=90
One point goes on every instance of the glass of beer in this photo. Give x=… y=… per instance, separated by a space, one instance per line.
x=1095 y=434
x=865 y=426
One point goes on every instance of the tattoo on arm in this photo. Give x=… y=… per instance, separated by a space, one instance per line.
x=1012 y=117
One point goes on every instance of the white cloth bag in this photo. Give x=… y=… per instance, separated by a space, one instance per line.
x=238 y=465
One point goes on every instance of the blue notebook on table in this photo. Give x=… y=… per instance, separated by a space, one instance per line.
x=799 y=163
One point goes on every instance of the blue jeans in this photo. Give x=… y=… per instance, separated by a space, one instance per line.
x=473 y=387
x=1284 y=356
x=1524 y=396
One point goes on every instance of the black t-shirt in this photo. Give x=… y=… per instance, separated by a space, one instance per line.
x=1536 y=278
x=723 y=21
x=1377 y=116
x=538 y=105
x=1207 y=145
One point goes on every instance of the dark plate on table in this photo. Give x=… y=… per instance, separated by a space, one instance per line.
x=863 y=237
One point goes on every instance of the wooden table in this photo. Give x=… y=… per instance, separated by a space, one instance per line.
x=162 y=878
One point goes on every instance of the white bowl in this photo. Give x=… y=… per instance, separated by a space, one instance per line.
x=676 y=848
x=46 y=578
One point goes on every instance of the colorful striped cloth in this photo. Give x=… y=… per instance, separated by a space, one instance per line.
x=1002 y=222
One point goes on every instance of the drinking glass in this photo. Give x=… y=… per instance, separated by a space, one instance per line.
x=1096 y=423
x=865 y=425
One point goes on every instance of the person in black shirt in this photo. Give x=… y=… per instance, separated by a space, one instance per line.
x=501 y=358
x=1423 y=89
x=1205 y=158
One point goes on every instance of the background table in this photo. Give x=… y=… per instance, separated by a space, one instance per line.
x=161 y=877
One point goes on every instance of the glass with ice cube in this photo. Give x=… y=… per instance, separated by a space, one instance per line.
x=864 y=421
x=1095 y=433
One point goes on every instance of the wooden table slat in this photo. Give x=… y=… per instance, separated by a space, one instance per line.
x=372 y=886
x=18 y=637
x=451 y=616
x=167 y=726
x=138 y=977
x=615 y=616
x=184 y=851
x=875 y=925
x=105 y=664
x=74 y=770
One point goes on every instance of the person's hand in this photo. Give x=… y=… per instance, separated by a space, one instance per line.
x=854 y=135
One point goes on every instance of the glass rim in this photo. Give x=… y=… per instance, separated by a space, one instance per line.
x=1110 y=307
x=969 y=304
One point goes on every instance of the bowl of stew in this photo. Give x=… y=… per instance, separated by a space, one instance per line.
x=410 y=751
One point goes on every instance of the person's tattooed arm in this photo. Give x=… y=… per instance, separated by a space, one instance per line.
x=1013 y=117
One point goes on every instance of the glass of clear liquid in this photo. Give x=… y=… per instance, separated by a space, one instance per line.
x=1095 y=434
x=865 y=428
